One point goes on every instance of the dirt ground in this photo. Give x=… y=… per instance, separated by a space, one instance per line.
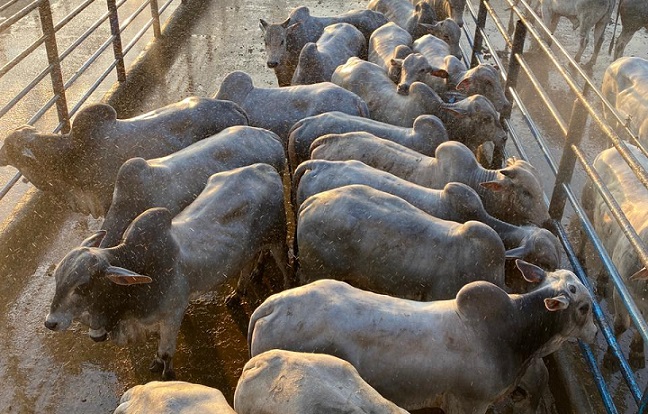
x=66 y=372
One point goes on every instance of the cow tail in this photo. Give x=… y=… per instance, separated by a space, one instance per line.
x=297 y=175
x=363 y=109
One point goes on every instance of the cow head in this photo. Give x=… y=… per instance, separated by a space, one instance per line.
x=485 y=80
x=276 y=38
x=415 y=68
x=448 y=31
x=81 y=277
x=44 y=159
x=520 y=194
x=457 y=10
x=474 y=121
x=539 y=246
x=566 y=294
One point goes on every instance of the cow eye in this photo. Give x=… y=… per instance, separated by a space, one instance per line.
x=572 y=288
x=282 y=42
x=527 y=194
x=583 y=309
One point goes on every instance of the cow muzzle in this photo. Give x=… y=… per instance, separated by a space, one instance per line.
x=402 y=89
x=272 y=64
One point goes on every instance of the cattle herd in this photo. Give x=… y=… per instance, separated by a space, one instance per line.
x=390 y=152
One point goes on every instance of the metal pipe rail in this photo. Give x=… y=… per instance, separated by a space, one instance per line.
x=49 y=39
x=527 y=22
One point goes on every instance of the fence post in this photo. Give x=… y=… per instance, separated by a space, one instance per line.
x=574 y=135
x=514 y=65
x=155 y=14
x=47 y=25
x=117 y=44
x=478 y=39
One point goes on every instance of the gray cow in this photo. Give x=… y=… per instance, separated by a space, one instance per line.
x=387 y=46
x=455 y=202
x=284 y=41
x=634 y=16
x=380 y=242
x=317 y=61
x=146 y=282
x=285 y=382
x=469 y=351
x=411 y=18
x=512 y=194
x=174 y=181
x=80 y=167
x=277 y=109
x=426 y=133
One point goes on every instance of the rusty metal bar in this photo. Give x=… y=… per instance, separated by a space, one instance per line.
x=478 y=39
x=56 y=75
x=117 y=45
x=575 y=133
x=22 y=13
x=155 y=14
x=514 y=64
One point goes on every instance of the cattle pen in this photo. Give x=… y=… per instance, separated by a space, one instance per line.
x=557 y=124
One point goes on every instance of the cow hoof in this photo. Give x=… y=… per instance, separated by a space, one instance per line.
x=168 y=375
x=157 y=365
x=233 y=300
x=637 y=360
x=609 y=361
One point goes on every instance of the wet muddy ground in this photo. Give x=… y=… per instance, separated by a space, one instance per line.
x=66 y=372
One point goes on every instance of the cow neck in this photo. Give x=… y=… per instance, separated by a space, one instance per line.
x=482 y=175
x=533 y=328
x=510 y=234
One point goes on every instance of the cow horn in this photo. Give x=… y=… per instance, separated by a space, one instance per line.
x=27 y=153
x=94 y=240
x=516 y=253
x=125 y=277
x=640 y=275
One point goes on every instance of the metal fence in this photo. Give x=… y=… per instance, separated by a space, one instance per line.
x=49 y=40
x=585 y=115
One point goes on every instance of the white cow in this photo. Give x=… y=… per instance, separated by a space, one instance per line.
x=464 y=353
x=625 y=85
x=584 y=15
x=632 y=196
x=380 y=242
x=512 y=194
x=146 y=282
x=285 y=382
x=173 y=397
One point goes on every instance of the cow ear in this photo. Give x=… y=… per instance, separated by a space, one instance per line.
x=510 y=173
x=455 y=111
x=464 y=85
x=493 y=185
x=94 y=240
x=396 y=62
x=125 y=277
x=439 y=73
x=27 y=153
x=292 y=27
x=285 y=23
x=557 y=303
x=263 y=25
x=531 y=272
x=640 y=275
x=417 y=7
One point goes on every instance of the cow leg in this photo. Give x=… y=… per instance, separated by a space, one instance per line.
x=169 y=329
x=637 y=356
x=248 y=273
x=279 y=253
x=622 y=41
x=599 y=29
x=584 y=40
